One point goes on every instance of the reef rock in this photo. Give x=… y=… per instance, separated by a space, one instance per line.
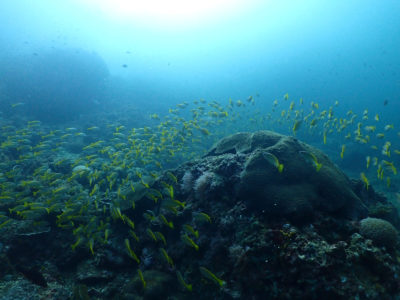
x=309 y=182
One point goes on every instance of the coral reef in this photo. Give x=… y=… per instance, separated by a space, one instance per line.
x=261 y=215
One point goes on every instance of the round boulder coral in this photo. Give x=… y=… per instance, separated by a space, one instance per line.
x=381 y=232
x=281 y=176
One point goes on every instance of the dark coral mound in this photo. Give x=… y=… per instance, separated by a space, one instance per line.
x=300 y=190
x=289 y=235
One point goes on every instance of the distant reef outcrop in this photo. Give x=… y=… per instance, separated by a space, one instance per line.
x=53 y=86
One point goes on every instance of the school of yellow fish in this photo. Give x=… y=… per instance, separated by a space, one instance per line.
x=88 y=192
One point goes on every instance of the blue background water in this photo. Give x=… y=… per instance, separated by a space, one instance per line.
x=321 y=50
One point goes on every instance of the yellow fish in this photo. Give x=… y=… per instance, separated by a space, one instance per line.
x=182 y=281
x=274 y=161
x=209 y=275
x=368 y=159
x=296 y=126
x=342 y=152
x=142 y=278
x=365 y=180
x=17 y=104
x=388 y=127
x=312 y=158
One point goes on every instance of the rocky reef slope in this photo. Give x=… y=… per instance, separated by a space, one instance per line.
x=261 y=216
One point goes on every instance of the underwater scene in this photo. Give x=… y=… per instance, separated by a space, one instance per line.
x=199 y=150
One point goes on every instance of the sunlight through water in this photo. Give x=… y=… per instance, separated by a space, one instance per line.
x=173 y=13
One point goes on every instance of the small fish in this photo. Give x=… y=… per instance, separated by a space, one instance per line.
x=106 y=235
x=142 y=278
x=368 y=159
x=273 y=160
x=365 y=180
x=17 y=104
x=131 y=253
x=211 y=276
x=204 y=131
x=191 y=230
x=149 y=215
x=94 y=190
x=127 y=220
x=342 y=152
x=370 y=128
x=151 y=234
x=391 y=166
x=166 y=257
x=5 y=223
x=296 y=126
x=185 y=285
x=311 y=158
x=134 y=235
x=386 y=149
x=172 y=176
x=166 y=222
x=380 y=172
x=161 y=237
x=78 y=241
x=91 y=244
x=188 y=241
x=388 y=127
x=201 y=217
x=314 y=105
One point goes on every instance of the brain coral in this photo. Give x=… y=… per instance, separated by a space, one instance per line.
x=381 y=232
x=300 y=189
